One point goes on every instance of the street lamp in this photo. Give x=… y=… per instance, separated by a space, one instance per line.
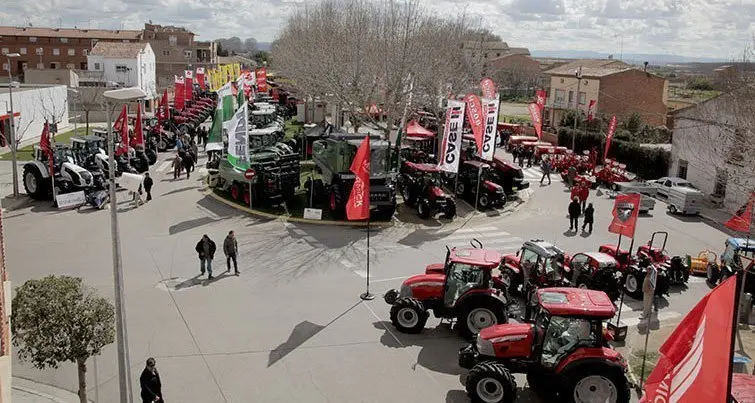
x=12 y=125
x=124 y=368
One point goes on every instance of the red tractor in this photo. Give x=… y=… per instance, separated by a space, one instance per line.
x=634 y=269
x=538 y=264
x=595 y=271
x=613 y=172
x=564 y=353
x=420 y=185
x=462 y=288
x=675 y=267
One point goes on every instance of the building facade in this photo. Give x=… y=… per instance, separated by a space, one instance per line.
x=127 y=64
x=176 y=51
x=616 y=87
x=53 y=48
x=713 y=147
x=32 y=105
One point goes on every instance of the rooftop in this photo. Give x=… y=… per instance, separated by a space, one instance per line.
x=117 y=50
x=591 y=68
x=486 y=45
x=576 y=302
x=476 y=257
x=70 y=33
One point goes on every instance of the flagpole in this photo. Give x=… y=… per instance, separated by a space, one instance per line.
x=741 y=276
x=367 y=296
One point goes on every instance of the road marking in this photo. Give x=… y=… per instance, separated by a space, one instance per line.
x=347 y=263
x=477 y=229
x=382 y=280
x=164 y=166
x=362 y=273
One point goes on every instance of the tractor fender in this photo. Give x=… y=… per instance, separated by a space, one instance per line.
x=39 y=166
x=482 y=296
x=592 y=357
x=512 y=267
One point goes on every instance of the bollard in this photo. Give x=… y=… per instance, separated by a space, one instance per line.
x=745 y=309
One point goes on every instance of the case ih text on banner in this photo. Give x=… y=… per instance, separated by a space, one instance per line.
x=451 y=146
x=475 y=118
x=490 y=106
x=238 y=138
x=537 y=120
x=488 y=88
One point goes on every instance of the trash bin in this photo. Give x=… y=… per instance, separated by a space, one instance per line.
x=745 y=309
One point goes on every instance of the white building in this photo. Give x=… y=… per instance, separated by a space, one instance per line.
x=32 y=104
x=714 y=147
x=128 y=64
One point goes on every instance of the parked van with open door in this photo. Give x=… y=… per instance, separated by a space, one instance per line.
x=684 y=200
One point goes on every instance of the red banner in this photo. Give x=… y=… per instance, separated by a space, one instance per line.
x=138 y=130
x=591 y=111
x=163 y=109
x=261 y=74
x=704 y=336
x=200 y=78
x=476 y=118
x=188 y=85
x=537 y=121
x=488 y=88
x=358 y=205
x=540 y=99
x=46 y=146
x=609 y=136
x=625 y=212
x=178 y=94
x=742 y=220
x=121 y=126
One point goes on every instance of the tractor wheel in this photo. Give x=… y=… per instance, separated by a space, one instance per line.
x=478 y=316
x=588 y=383
x=712 y=273
x=247 y=198
x=672 y=209
x=490 y=382
x=162 y=144
x=582 y=282
x=36 y=186
x=335 y=207
x=408 y=315
x=633 y=285
x=235 y=192
x=483 y=201
x=450 y=211
x=460 y=189
x=615 y=187
x=423 y=209
x=408 y=197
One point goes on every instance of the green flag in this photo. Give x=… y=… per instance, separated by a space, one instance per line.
x=225 y=101
x=216 y=130
x=240 y=98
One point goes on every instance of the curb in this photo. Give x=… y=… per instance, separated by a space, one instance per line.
x=284 y=218
x=51 y=393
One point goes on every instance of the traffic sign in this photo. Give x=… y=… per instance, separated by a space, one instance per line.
x=249 y=174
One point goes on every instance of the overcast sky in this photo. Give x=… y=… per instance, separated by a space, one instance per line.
x=701 y=28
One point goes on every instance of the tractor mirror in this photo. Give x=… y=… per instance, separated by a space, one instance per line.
x=518 y=252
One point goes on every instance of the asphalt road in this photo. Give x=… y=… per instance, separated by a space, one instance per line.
x=291 y=327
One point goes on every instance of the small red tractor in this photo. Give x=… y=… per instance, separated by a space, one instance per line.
x=515 y=141
x=613 y=172
x=676 y=268
x=462 y=288
x=420 y=185
x=595 y=271
x=548 y=150
x=564 y=353
x=634 y=269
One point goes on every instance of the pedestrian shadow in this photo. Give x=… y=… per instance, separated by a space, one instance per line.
x=188 y=283
x=570 y=233
x=189 y=225
x=217 y=278
x=584 y=234
x=183 y=189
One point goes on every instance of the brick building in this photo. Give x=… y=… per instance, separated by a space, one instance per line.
x=176 y=51
x=618 y=89
x=54 y=48
x=513 y=69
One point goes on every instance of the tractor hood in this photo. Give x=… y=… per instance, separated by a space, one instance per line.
x=424 y=286
x=437 y=192
x=511 y=340
x=492 y=187
x=435 y=268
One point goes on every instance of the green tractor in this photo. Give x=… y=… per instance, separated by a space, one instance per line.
x=333 y=154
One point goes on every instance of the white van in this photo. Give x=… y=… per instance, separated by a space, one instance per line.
x=684 y=200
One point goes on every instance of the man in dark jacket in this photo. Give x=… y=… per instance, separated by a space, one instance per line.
x=574 y=210
x=148 y=185
x=206 y=250
x=231 y=248
x=589 y=216
x=150 y=383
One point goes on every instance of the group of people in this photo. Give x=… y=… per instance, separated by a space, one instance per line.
x=206 y=248
x=580 y=191
x=521 y=153
x=187 y=153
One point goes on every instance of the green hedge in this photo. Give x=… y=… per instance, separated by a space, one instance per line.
x=647 y=163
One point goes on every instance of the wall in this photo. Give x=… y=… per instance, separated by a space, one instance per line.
x=51 y=77
x=5 y=333
x=556 y=110
x=34 y=103
x=632 y=91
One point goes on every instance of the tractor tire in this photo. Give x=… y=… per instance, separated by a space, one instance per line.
x=35 y=185
x=490 y=382
x=460 y=189
x=334 y=202
x=409 y=198
x=590 y=383
x=236 y=192
x=423 y=209
x=162 y=144
x=450 y=211
x=479 y=315
x=712 y=273
x=483 y=202
x=408 y=315
x=633 y=285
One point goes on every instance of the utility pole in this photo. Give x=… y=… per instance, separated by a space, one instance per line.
x=576 y=110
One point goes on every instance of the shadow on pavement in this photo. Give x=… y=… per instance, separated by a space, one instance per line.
x=327 y=236
x=439 y=346
x=523 y=395
x=408 y=215
x=183 y=189
x=420 y=236
x=189 y=224
x=188 y=283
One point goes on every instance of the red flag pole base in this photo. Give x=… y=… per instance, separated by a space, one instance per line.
x=367 y=296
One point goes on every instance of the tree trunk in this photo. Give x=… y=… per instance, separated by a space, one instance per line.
x=82 y=366
x=86 y=116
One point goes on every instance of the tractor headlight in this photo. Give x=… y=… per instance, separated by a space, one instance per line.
x=405 y=291
x=485 y=346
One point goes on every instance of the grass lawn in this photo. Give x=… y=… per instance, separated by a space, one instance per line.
x=636 y=362
x=25 y=153
x=515 y=118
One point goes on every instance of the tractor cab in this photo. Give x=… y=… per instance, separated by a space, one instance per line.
x=468 y=269
x=736 y=248
x=656 y=253
x=622 y=256
x=537 y=263
x=87 y=145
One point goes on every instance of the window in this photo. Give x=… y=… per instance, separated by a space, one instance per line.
x=71 y=52
x=719 y=189
x=22 y=51
x=571 y=97
x=681 y=170
x=24 y=66
x=497 y=55
x=562 y=81
x=560 y=95
x=32 y=39
x=54 y=65
x=56 y=52
x=187 y=54
x=173 y=40
x=166 y=53
x=63 y=40
x=40 y=66
x=121 y=68
x=5 y=51
x=96 y=66
x=40 y=51
x=582 y=98
x=6 y=67
x=84 y=52
x=486 y=55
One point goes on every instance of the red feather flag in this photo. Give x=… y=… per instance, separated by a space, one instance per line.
x=609 y=136
x=358 y=206
x=46 y=146
x=121 y=126
x=138 y=131
x=741 y=221
x=163 y=111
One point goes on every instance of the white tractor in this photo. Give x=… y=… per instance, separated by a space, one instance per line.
x=69 y=177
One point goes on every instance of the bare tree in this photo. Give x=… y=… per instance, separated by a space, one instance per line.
x=87 y=100
x=54 y=109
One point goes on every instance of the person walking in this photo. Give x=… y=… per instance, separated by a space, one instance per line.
x=231 y=248
x=546 y=167
x=574 y=214
x=515 y=153
x=206 y=250
x=179 y=143
x=570 y=175
x=188 y=164
x=177 y=166
x=522 y=153
x=583 y=193
x=150 y=383
x=648 y=292
x=148 y=182
x=589 y=217
x=530 y=154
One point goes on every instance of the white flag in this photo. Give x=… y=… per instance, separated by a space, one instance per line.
x=238 y=137
x=490 y=107
x=450 y=150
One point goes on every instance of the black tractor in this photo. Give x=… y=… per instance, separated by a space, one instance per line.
x=420 y=185
x=475 y=183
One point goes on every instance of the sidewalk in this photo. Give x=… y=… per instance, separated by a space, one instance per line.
x=716 y=217
x=26 y=391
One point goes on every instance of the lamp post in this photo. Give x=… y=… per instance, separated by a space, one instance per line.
x=124 y=371
x=12 y=142
x=578 y=73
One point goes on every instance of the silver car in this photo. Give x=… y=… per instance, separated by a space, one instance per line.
x=668 y=182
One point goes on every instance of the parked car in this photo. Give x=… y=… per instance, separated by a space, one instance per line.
x=684 y=200
x=669 y=182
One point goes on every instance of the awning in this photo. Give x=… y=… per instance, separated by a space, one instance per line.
x=413 y=129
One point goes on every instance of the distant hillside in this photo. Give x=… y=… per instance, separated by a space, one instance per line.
x=264 y=46
x=631 y=58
